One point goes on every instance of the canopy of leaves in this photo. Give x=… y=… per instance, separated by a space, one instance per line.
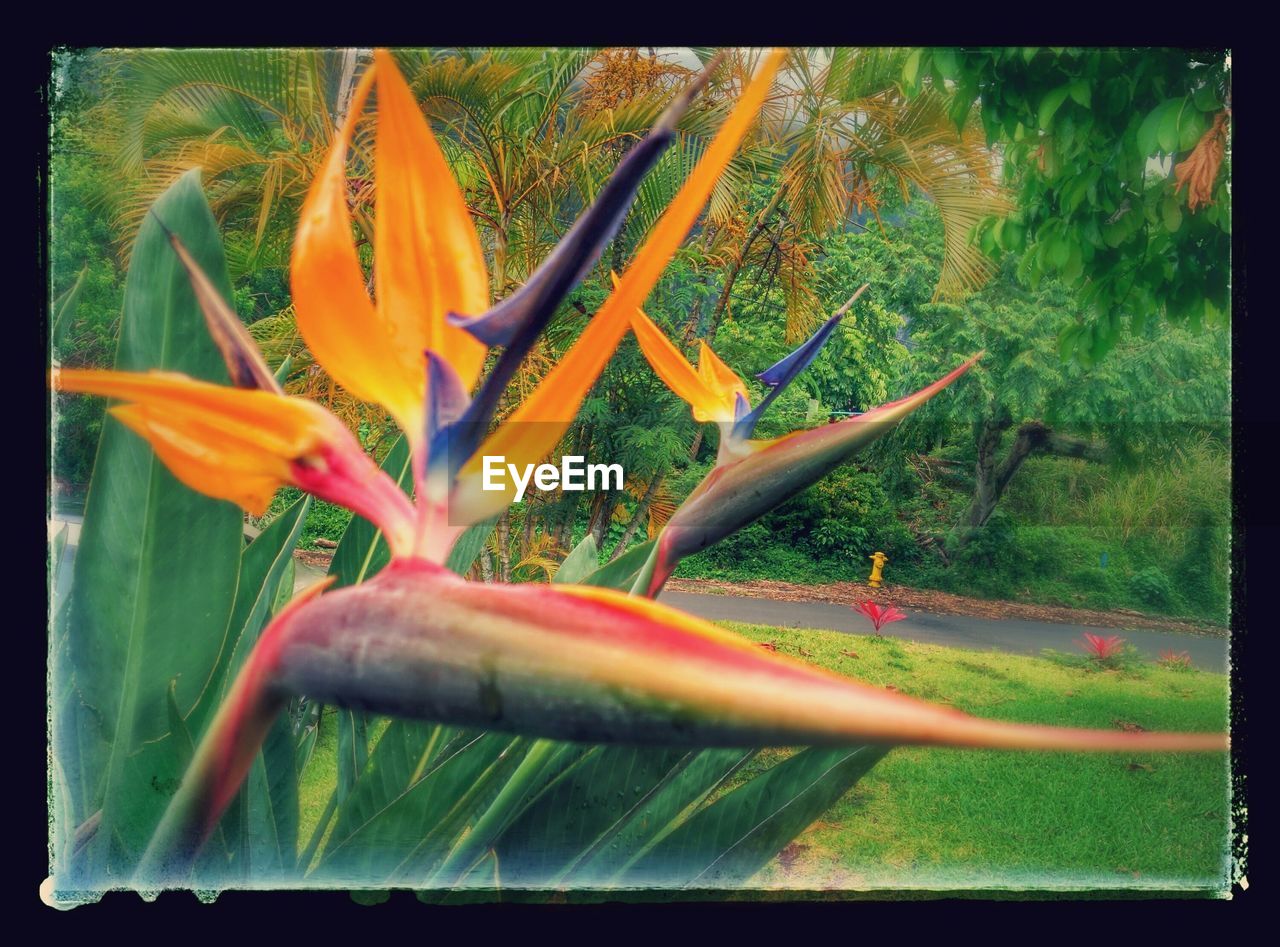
x=1096 y=142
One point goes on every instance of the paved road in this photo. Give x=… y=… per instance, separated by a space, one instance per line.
x=1013 y=635
x=958 y=631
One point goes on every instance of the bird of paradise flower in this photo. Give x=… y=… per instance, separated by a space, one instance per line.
x=568 y=662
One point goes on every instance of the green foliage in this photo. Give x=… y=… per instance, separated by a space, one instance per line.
x=1152 y=586
x=324 y=520
x=162 y=600
x=79 y=257
x=1091 y=139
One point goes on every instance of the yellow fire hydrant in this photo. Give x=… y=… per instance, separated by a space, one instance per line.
x=878 y=561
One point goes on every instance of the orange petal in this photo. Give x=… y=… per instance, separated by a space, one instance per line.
x=719 y=377
x=243 y=444
x=702 y=388
x=206 y=461
x=333 y=309
x=533 y=430
x=427 y=257
x=275 y=424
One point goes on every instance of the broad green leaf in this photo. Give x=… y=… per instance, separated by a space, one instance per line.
x=663 y=809
x=946 y=61
x=1206 y=98
x=622 y=572
x=1067 y=342
x=911 y=69
x=1170 y=213
x=264 y=565
x=581 y=562
x=1191 y=125
x=271 y=797
x=261 y=826
x=467 y=548
x=156 y=569
x=1167 y=134
x=578 y=811
x=1149 y=130
x=403 y=835
x=542 y=760
x=362 y=551
x=602 y=814
x=1081 y=92
x=186 y=747
x=733 y=838
x=1050 y=104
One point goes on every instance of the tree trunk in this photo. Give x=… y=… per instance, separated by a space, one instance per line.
x=504 y=546
x=697 y=443
x=992 y=479
x=642 y=508
x=986 y=493
x=602 y=516
x=351 y=58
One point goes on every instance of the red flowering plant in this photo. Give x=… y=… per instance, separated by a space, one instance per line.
x=1104 y=651
x=880 y=616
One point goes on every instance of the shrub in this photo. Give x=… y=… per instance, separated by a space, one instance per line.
x=1152 y=586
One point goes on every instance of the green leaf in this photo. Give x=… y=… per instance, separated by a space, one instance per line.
x=911 y=69
x=185 y=746
x=947 y=62
x=261 y=827
x=270 y=800
x=1170 y=122
x=156 y=571
x=1081 y=92
x=1191 y=125
x=1149 y=130
x=1206 y=98
x=362 y=551
x=581 y=562
x=607 y=810
x=467 y=548
x=264 y=565
x=1059 y=251
x=1074 y=265
x=1050 y=104
x=415 y=799
x=733 y=838
x=1171 y=213
x=282 y=373
x=1014 y=237
x=622 y=572
x=1067 y=342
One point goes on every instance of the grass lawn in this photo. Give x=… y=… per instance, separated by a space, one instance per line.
x=935 y=818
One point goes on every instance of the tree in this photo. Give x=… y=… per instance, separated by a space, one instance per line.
x=1158 y=387
x=1121 y=160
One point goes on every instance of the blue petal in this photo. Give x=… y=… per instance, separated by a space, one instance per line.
x=527 y=311
x=517 y=322
x=783 y=372
x=447 y=402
